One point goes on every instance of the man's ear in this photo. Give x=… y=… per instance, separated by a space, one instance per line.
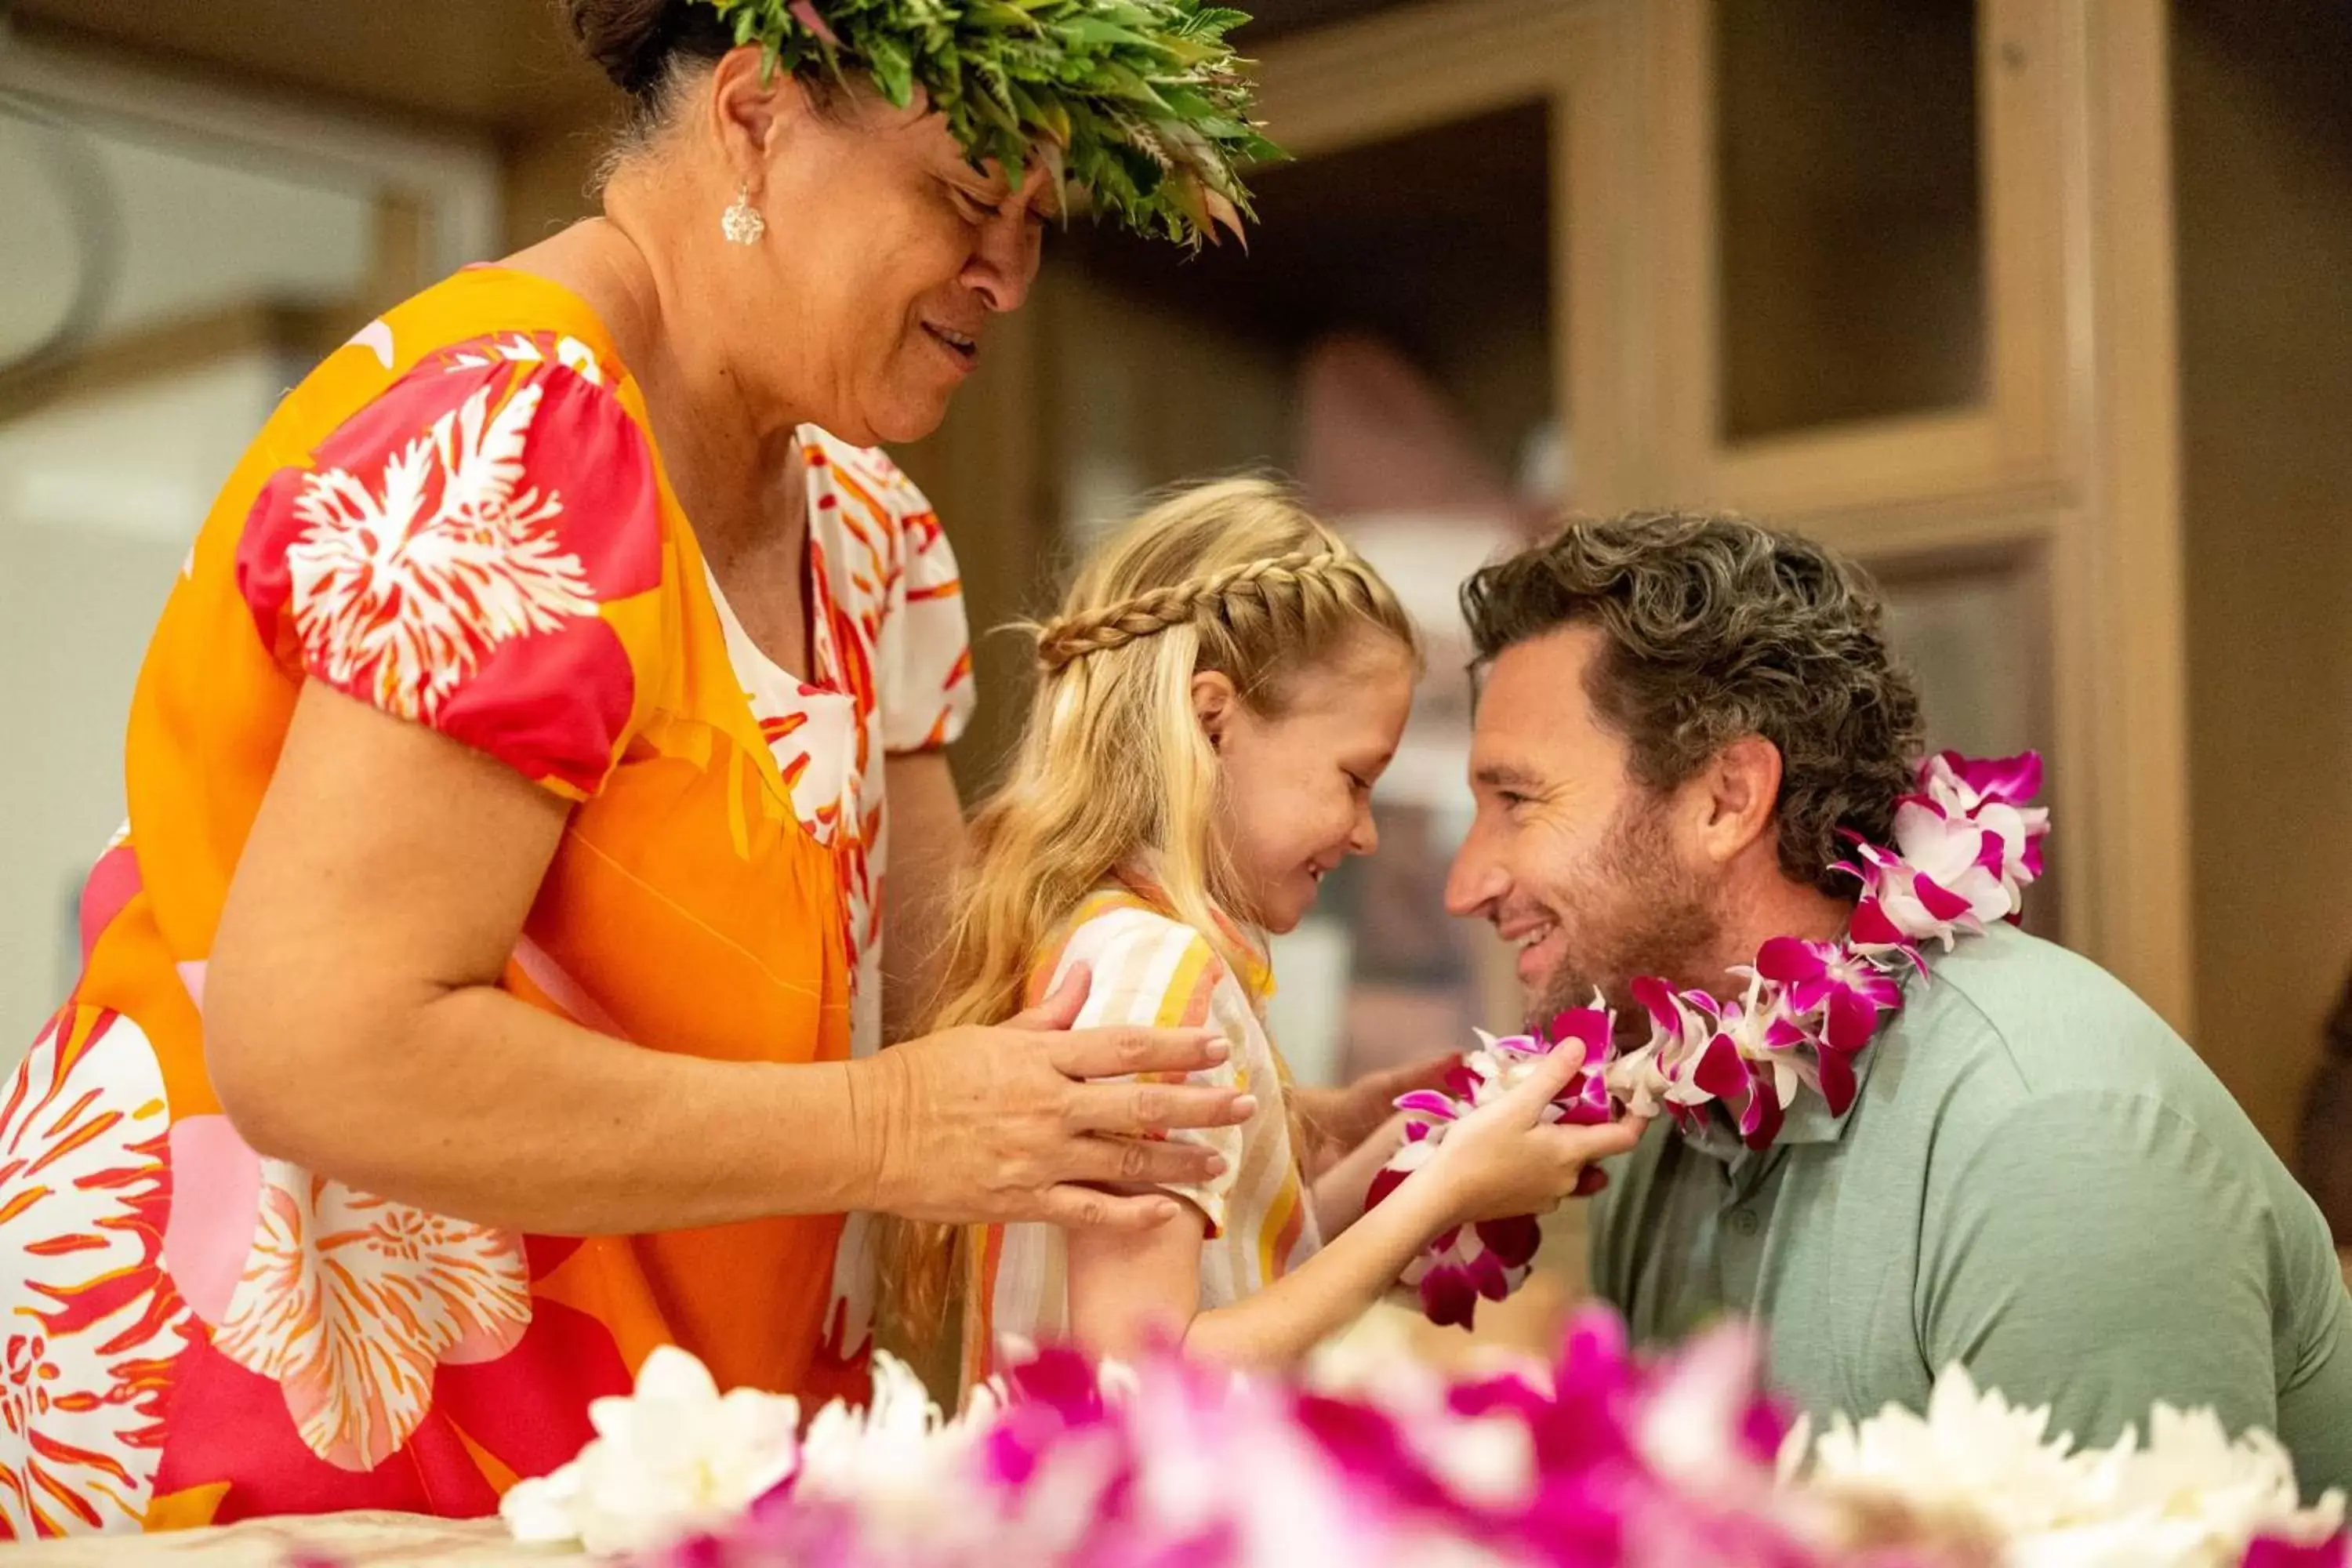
x=1734 y=797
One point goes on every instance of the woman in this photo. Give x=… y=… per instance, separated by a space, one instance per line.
x=484 y=990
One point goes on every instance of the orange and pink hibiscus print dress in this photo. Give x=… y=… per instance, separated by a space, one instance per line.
x=461 y=518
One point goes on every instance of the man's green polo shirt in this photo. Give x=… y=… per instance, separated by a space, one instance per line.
x=2039 y=1180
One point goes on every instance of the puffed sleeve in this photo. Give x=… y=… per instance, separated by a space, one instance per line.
x=923 y=654
x=1156 y=973
x=480 y=551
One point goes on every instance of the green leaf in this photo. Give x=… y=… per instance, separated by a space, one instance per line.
x=1094 y=30
x=1139 y=103
x=997 y=13
x=1133 y=86
x=1211 y=23
x=894 y=69
x=1190 y=51
x=1141 y=171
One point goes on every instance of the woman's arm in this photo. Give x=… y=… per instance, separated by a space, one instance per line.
x=926 y=848
x=1126 y=1290
x=354 y=1027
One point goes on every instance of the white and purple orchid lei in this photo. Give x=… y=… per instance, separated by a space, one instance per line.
x=1966 y=845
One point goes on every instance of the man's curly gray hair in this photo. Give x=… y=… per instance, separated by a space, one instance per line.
x=1717 y=629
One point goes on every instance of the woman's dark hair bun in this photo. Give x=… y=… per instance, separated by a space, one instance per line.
x=633 y=41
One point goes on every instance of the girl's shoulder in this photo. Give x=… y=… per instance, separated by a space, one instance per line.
x=1144 y=966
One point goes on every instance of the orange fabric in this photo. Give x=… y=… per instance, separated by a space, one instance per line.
x=201 y=1334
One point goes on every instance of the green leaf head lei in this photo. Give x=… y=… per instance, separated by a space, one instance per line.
x=1142 y=104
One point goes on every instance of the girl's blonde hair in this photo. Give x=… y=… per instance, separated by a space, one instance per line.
x=1114 y=773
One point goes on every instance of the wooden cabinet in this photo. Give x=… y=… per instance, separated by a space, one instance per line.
x=1955 y=359
x=1894 y=272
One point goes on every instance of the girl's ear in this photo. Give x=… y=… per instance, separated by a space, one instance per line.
x=1214 y=697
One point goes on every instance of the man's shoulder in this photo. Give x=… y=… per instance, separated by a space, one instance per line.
x=2011 y=1015
x=2009 y=1031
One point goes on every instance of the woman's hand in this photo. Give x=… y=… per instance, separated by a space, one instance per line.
x=993 y=1124
x=1503 y=1159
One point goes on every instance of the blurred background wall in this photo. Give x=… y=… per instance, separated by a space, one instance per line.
x=2039 y=305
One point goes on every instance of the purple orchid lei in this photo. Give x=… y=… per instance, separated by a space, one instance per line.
x=1966 y=845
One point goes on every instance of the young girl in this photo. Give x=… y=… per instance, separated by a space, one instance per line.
x=1225 y=684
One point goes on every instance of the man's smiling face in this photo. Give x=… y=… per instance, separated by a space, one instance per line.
x=1573 y=862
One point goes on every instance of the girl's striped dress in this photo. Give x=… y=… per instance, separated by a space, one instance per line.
x=1151 y=969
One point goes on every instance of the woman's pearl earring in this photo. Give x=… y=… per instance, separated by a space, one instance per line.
x=741 y=222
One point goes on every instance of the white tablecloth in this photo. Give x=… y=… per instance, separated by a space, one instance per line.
x=355 y=1540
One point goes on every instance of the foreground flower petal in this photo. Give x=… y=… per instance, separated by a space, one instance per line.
x=671 y=1458
x=1606 y=1459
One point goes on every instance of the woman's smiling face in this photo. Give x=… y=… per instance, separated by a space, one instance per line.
x=888 y=254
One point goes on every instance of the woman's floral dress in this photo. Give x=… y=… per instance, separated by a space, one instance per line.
x=460 y=518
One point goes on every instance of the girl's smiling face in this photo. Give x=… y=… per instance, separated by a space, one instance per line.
x=1294 y=785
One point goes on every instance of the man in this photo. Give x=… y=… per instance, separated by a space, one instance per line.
x=1680 y=716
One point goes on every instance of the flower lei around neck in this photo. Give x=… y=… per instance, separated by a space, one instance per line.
x=1966 y=845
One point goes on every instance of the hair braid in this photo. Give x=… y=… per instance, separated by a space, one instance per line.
x=1155 y=610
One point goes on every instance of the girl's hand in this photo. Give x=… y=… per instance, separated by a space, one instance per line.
x=1503 y=1158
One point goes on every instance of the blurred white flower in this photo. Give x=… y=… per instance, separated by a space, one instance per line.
x=1970 y=1450
x=672 y=1458
x=897 y=1459
x=2192 y=1497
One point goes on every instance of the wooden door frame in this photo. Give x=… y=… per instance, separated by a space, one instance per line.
x=2016 y=439
x=2073 y=455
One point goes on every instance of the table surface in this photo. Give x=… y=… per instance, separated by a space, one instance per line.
x=353 y=1540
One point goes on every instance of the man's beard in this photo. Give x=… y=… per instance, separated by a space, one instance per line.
x=1639 y=911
